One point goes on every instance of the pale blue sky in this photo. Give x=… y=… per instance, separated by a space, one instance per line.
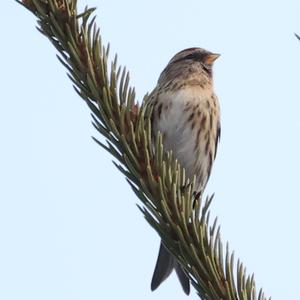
x=69 y=227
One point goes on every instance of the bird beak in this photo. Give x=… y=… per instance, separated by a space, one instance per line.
x=210 y=58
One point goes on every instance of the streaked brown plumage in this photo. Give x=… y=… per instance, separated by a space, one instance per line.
x=186 y=112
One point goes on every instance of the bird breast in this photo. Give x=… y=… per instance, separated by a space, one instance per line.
x=188 y=120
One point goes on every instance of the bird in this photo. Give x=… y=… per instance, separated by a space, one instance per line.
x=186 y=111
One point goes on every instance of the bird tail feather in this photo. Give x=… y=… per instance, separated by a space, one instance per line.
x=165 y=264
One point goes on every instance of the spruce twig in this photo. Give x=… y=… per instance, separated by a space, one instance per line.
x=154 y=176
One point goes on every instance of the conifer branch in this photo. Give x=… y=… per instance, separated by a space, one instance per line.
x=168 y=202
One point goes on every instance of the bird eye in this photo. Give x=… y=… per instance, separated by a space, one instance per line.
x=193 y=56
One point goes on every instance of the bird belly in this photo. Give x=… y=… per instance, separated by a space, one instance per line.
x=185 y=133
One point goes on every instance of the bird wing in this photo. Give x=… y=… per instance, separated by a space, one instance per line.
x=218 y=136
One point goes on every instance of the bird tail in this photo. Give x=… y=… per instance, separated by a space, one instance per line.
x=165 y=264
